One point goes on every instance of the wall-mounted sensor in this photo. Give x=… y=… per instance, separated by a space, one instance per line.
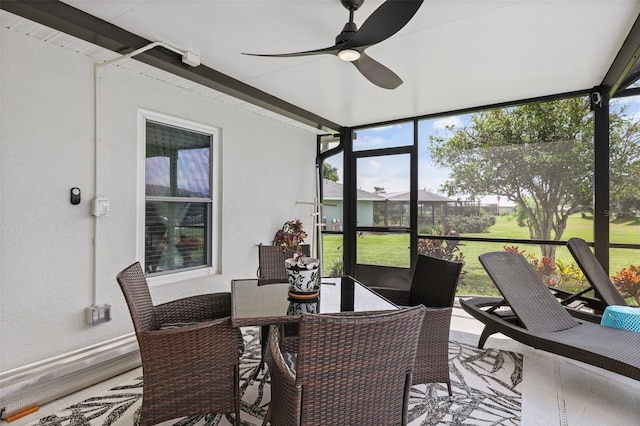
x=75 y=196
x=99 y=206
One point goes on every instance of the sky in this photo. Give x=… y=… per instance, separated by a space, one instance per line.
x=392 y=172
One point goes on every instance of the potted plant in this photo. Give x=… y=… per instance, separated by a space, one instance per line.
x=302 y=270
x=290 y=237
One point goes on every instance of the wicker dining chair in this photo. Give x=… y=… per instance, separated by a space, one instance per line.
x=349 y=369
x=189 y=352
x=271 y=259
x=271 y=270
x=433 y=285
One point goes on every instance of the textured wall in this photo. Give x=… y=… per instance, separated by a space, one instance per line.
x=47 y=147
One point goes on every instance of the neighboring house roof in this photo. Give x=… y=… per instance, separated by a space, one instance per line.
x=424 y=196
x=333 y=191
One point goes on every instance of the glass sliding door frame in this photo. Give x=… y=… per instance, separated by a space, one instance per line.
x=350 y=224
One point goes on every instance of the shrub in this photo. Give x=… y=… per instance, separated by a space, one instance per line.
x=443 y=249
x=336 y=268
x=470 y=224
x=627 y=281
x=545 y=269
x=571 y=277
x=567 y=277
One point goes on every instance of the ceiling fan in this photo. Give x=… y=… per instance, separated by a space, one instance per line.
x=351 y=43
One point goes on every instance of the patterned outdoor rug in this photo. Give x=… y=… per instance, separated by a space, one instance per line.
x=486 y=391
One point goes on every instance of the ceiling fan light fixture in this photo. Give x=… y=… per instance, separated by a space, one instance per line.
x=349 y=55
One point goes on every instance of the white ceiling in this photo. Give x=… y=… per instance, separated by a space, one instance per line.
x=453 y=54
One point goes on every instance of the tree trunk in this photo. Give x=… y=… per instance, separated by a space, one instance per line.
x=549 y=251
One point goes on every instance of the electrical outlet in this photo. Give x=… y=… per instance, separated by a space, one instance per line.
x=98 y=314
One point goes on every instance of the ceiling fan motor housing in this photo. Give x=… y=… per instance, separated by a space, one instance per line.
x=349 y=30
x=352 y=4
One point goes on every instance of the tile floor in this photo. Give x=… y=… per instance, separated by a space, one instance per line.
x=556 y=391
x=559 y=391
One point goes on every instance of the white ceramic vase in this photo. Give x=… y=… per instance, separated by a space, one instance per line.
x=303 y=274
x=299 y=308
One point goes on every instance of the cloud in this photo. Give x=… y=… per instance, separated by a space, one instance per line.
x=368 y=142
x=371 y=169
x=443 y=123
x=384 y=128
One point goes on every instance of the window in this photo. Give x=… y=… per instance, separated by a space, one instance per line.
x=179 y=195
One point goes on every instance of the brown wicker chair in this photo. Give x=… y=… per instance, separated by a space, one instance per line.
x=271 y=270
x=433 y=285
x=271 y=263
x=348 y=370
x=189 y=352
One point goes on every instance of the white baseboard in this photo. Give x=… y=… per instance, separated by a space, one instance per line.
x=45 y=381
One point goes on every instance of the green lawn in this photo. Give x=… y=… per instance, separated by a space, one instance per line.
x=393 y=249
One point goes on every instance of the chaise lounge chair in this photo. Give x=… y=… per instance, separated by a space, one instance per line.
x=543 y=323
x=595 y=273
x=577 y=304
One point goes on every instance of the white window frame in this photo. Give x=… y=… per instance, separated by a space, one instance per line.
x=216 y=174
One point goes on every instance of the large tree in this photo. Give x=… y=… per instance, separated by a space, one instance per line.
x=330 y=172
x=538 y=155
x=624 y=174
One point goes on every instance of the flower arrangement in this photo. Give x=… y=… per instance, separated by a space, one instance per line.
x=302 y=271
x=290 y=237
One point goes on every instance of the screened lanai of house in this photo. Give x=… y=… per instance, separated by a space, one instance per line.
x=456 y=59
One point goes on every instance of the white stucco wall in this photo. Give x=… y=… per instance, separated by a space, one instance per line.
x=47 y=147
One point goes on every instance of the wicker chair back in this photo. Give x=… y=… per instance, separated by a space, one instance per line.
x=350 y=370
x=271 y=259
x=434 y=282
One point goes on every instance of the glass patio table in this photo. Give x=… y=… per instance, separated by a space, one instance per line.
x=259 y=304
x=255 y=304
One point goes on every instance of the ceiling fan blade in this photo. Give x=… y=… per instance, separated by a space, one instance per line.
x=384 y=22
x=377 y=73
x=327 y=50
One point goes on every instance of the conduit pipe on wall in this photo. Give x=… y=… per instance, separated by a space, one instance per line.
x=188 y=58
